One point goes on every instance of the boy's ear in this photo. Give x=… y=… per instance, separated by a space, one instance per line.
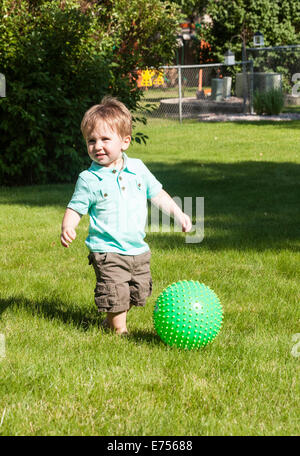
x=126 y=142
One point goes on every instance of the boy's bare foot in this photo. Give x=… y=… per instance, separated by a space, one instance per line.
x=105 y=326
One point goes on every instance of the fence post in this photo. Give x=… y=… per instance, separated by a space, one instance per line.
x=245 y=83
x=179 y=93
x=251 y=87
x=2 y=85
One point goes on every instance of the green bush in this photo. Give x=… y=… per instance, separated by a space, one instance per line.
x=47 y=68
x=59 y=58
x=270 y=102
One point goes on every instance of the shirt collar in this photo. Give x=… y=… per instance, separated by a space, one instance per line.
x=127 y=166
x=101 y=171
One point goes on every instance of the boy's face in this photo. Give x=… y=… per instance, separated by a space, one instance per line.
x=105 y=146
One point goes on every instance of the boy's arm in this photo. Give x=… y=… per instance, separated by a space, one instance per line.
x=70 y=221
x=164 y=201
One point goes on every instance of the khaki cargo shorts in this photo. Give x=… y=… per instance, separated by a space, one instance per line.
x=122 y=280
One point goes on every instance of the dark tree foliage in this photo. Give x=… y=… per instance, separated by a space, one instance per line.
x=61 y=57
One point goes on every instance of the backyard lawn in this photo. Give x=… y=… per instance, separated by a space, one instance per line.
x=60 y=375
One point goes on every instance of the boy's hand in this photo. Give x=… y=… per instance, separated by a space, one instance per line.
x=168 y=205
x=186 y=223
x=69 y=223
x=67 y=236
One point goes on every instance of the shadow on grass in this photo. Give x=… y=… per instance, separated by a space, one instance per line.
x=141 y=336
x=54 y=309
x=82 y=319
x=248 y=204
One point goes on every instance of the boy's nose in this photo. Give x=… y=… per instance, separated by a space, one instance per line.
x=98 y=145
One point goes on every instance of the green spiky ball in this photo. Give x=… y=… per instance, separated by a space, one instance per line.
x=187 y=314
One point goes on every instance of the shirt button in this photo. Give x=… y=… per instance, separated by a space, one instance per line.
x=123 y=188
x=120 y=178
x=114 y=171
x=105 y=195
x=139 y=185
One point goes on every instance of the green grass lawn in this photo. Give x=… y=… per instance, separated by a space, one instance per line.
x=61 y=376
x=160 y=93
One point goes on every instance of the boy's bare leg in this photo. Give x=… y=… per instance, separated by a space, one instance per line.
x=108 y=320
x=117 y=321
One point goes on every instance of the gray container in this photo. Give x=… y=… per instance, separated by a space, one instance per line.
x=216 y=89
x=227 y=81
x=261 y=81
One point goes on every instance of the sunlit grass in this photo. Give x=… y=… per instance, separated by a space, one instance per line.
x=62 y=376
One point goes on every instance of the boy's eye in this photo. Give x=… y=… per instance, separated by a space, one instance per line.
x=92 y=141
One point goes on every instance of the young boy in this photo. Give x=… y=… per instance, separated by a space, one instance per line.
x=114 y=192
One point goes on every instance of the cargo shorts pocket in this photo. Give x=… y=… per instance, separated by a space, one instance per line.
x=139 y=292
x=105 y=296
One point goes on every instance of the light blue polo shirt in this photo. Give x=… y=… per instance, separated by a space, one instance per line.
x=117 y=204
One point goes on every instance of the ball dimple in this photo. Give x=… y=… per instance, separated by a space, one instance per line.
x=188 y=314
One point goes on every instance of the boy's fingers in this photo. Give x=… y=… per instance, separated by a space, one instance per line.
x=187 y=225
x=67 y=237
x=64 y=238
x=63 y=242
x=72 y=234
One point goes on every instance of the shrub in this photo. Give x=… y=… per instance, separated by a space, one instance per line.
x=270 y=102
x=59 y=58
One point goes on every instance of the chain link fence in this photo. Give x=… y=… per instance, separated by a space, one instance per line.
x=197 y=91
x=278 y=67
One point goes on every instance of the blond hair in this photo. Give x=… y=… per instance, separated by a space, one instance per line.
x=110 y=111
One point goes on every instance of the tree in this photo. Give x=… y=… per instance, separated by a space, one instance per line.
x=191 y=8
x=278 y=20
x=60 y=57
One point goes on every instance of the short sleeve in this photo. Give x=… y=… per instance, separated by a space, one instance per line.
x=152 y=184
x=81 y=199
